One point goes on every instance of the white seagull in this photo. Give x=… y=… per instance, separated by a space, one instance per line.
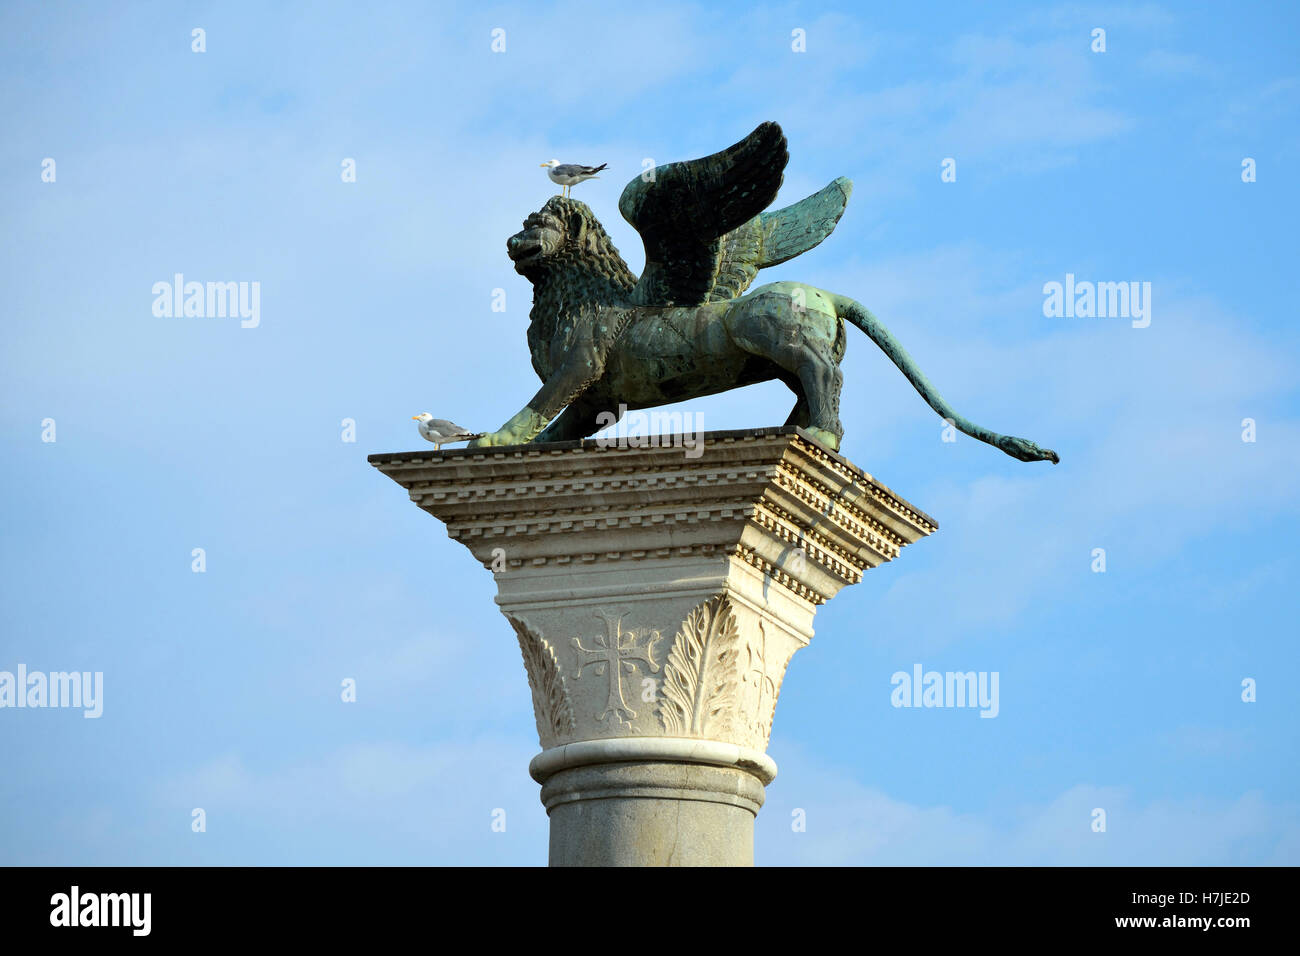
x=570 y=174
x=440 y=431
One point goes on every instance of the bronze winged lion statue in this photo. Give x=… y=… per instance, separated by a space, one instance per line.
x=604 y=340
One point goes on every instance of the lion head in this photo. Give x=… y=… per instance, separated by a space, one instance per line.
x=563 y=240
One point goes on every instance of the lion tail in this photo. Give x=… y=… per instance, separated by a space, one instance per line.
x=859 y=315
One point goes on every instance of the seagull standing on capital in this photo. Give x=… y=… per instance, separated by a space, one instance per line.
x=442 y=432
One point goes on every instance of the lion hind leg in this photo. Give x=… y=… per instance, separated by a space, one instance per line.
x=817 y=387
x=822 y=381
x=800 y=416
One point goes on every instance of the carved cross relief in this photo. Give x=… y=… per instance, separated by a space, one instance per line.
x=615 y=654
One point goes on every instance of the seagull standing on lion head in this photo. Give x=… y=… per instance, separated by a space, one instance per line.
x=568 y=175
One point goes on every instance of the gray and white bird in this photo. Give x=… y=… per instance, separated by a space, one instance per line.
x=442 y=432
x=570 y=174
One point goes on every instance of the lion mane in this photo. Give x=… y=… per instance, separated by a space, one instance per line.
x=575 y=285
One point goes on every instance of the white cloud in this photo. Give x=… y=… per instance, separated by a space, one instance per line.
x=397 y=802
x=849 y=824
x=1147 y=421
x=1169 y=63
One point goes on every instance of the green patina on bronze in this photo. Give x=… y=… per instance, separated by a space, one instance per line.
x=603 y=340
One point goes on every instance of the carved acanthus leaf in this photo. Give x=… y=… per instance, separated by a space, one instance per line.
x=766 y=687
x=551 y=705
x=701 y=673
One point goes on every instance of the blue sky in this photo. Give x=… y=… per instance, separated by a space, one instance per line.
x=1119 y=690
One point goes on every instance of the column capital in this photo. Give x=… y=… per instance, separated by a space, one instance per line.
x=759 y=494
x=658 y=594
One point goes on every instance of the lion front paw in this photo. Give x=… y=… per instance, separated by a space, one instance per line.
x=493 y=439
x=518 y=431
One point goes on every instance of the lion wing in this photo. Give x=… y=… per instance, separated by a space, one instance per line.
x=687 y=208
x=775 y=237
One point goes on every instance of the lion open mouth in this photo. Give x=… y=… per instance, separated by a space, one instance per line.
x=524 y=248
x=541 y=233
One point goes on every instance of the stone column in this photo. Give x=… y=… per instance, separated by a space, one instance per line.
x=658 y=595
